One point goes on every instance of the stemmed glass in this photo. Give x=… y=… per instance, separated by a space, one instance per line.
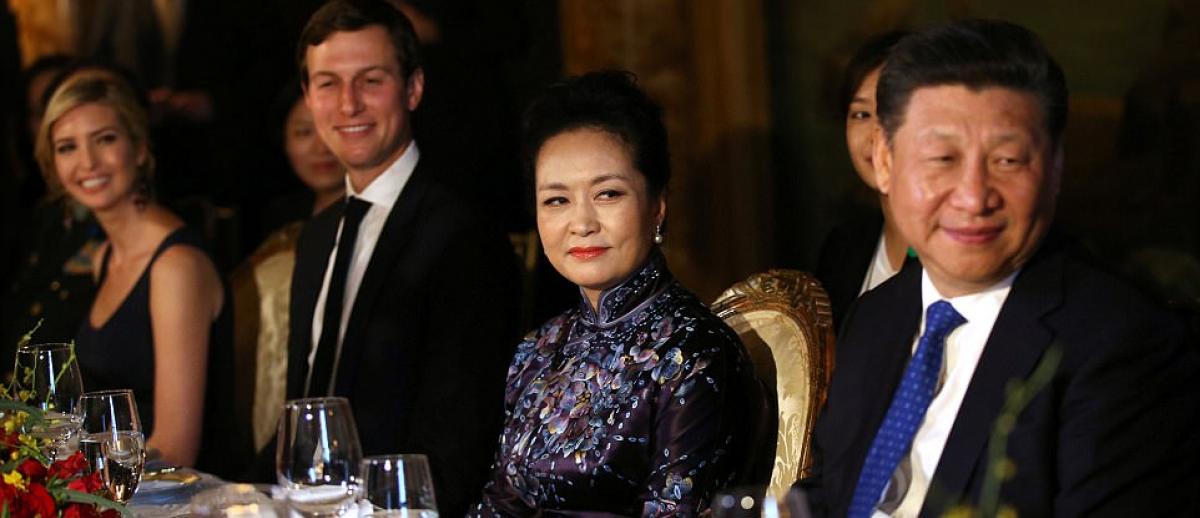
x=318 y=455
x=113 y=442
x=398 y=486
x=49 y=375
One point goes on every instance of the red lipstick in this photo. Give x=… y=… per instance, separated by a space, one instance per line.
x=585 y=253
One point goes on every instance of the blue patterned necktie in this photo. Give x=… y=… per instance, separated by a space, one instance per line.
x=909 y=404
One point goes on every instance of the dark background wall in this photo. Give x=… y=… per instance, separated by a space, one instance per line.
x=761 y=171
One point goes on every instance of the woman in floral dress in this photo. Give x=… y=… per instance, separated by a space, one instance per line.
x=639 y=401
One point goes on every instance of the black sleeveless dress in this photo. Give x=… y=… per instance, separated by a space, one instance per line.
x=120 y=355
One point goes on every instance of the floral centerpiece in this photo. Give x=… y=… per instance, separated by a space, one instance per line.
x=31 y=484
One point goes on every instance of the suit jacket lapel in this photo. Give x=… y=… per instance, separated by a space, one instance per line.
x=897 y=327
x=397 y=231
x=882 y=349
x=1013 y=349
x=312 y=258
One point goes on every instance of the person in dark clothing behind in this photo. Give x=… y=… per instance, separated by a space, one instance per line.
x=866 y=249
x=51 y=283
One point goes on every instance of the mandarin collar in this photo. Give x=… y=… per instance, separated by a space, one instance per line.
x=617 y=302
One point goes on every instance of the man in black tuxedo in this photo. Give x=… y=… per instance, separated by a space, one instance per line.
x=403 y=299
x=969 y=153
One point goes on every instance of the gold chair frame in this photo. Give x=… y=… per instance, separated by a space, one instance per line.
x=798 y=298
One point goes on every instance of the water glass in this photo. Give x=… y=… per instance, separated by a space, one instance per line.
x=318 y=455
x=49 y=376
x=112 y=441
x=398 y=486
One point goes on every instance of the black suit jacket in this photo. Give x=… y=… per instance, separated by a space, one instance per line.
x=429 y=337
x=1113 y=433
x=846 y=255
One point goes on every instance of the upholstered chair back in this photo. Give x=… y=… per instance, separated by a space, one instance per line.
x=784 y=320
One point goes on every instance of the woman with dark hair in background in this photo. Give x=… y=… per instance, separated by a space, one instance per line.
x=158 y=324
x=262 y=284
x=867 y=249
x=638 y=401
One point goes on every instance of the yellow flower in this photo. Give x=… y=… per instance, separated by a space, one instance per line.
x=14 y=479
x=15 y=420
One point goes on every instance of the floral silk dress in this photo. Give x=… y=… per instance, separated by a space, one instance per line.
x=645 y=408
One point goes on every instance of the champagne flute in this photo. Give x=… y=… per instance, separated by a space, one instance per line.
x=113 y=442
x=399 y=486
x=318 y=456
x=49 y=376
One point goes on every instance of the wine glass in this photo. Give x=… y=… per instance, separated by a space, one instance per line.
x=318 y=455
x=398 y=486
x=48 y=375
x=112 y=441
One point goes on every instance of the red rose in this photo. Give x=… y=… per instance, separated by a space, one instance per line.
x=76 y=510
x=88 y=511
x=7 y=493
x=38 y=502
x=69 y=467
x=89 y=483
x=33 y=470
x=72 y=511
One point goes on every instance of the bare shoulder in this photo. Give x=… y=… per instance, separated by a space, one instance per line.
x=184 y=276
x=183 y=263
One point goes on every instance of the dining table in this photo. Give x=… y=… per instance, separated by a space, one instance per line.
x=166 y=491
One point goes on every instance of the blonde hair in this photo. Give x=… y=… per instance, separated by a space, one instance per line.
x=102 y=87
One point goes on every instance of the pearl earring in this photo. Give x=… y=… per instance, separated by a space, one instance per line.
x=658 y=235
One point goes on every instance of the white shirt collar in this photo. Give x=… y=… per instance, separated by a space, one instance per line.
x=981 y=306
x=384 y=190
x=881 y=267
x=963 y=348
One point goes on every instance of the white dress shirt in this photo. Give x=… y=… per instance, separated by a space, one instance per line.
x=964 y=346
x=382 y=194
x=880 y=269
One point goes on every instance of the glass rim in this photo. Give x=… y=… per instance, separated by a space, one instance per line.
x=395 y=457
x=106 y=393
x=314 y=401
x=44 y=346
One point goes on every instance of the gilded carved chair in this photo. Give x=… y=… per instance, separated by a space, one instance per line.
x=783 y=318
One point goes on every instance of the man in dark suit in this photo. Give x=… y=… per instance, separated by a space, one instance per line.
x=402 y=299
x=969 y=153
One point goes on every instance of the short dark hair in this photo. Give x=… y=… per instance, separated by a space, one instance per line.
x=608 y=101
x=354 y=15
x=976 y=54
x=868 y=57
x=281 y=107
